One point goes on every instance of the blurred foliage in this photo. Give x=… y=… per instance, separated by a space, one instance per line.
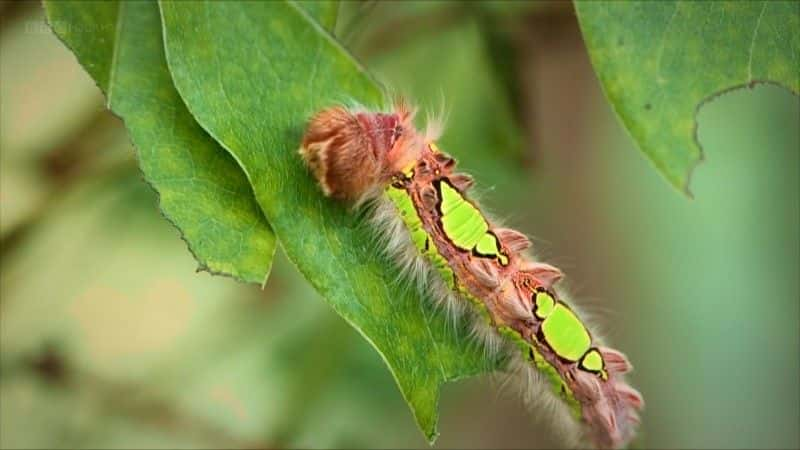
x=659 y=62
x=108 y=339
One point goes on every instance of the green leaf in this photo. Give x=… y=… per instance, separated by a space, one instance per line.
x=252 y=73
x=325 y=12
x=202 y=190
x=659 y=62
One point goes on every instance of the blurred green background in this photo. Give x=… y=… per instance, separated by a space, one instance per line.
x=108 y=337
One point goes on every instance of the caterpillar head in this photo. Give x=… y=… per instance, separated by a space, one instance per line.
x=351 y=153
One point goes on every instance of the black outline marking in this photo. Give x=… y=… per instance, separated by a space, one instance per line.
x=543 y=339
x=536 y=306
x=497 y=245
x=437 y=184
x=602 y=360
x=401 y=181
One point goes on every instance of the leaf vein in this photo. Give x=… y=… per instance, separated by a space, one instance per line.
x=663 y=43
x=753 y=43
x=113 y=68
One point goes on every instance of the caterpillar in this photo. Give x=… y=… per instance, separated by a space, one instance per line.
x=442 y=239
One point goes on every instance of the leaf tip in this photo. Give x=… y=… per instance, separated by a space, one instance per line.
x=432 y=436
x=687 y=180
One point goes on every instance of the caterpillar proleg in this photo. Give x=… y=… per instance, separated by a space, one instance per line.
x=442 y=239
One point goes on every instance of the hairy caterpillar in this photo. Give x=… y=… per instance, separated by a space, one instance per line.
x=443 y=239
